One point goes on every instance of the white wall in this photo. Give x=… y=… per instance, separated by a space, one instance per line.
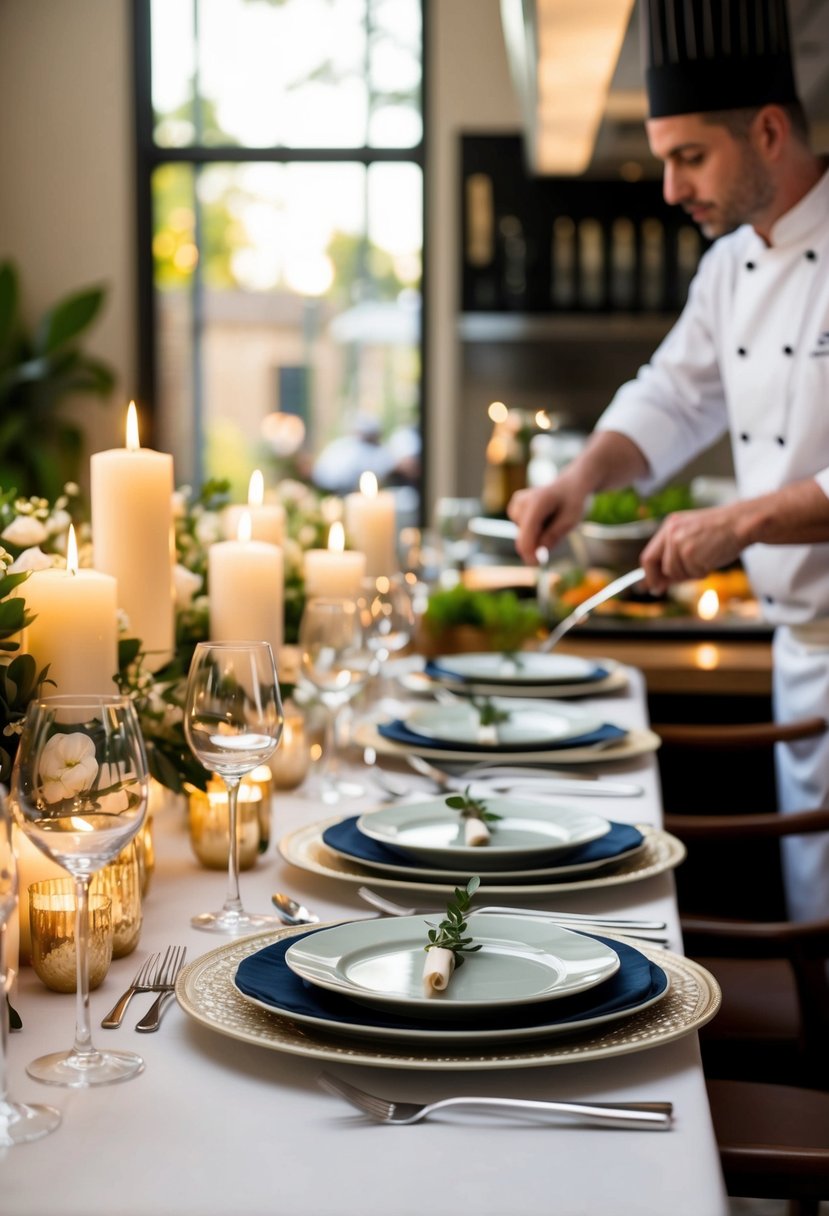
x=469 y=90
x=66 y=174
x=66 y=177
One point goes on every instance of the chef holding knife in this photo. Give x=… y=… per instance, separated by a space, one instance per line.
x=749 y=355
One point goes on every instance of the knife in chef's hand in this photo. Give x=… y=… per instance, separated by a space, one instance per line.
x=584 y=609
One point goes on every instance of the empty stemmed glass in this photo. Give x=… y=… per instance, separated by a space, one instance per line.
x=79 y=791
x=334 y=658
x=233 y=722
x=19 y=1121
x=388 y=620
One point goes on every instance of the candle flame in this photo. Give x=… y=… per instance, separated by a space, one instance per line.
x=72 y=551
x=708 y=605
x=245 y=528
x=133 y=441
x=336 y=538
x=256 y=489
x=368 y=485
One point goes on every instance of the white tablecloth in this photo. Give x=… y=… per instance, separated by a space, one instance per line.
x=217 y=1127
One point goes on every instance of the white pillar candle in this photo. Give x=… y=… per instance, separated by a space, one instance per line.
x=370 y=523
x=246 y=590
x=335 y=571
x=75 y=629
x=267 y=518
x=133 y=538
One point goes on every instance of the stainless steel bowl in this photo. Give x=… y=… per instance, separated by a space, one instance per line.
x=614 y=546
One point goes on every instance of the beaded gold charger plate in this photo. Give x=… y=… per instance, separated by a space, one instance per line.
x=306 y=849
x=206 y=992
x=634 y=743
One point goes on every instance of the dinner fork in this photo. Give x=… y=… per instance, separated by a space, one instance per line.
x=142 y=982
x=165 y=986
x=638 y=1115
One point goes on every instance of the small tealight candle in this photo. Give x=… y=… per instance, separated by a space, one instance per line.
x=371 y=525
x=267 y=518
x=335 y=571
x=290 y=762
x=209 y=824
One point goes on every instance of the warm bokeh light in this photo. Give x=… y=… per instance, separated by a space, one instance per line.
x=256 y=489
x=283 y=432
x=708 y=605
x=368 y=484
x=245 y=528
x=498 y=412
x=133 y=440
x=707 y=656
x=542 y=421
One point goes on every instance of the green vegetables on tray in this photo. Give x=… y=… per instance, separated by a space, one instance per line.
x=628 y=506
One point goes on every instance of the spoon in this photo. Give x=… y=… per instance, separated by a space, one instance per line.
x=291 y=912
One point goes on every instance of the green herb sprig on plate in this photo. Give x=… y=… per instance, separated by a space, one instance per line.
x=489 y=714
x=471 y=808
x=450 y=933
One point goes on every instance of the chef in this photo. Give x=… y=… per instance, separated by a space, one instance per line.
x=749 y=355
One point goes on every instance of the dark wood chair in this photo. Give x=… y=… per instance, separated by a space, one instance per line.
x=773 y=1142
x=726 y=767
x=774 y=1017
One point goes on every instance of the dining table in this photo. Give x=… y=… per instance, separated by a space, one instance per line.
x=221 y=1121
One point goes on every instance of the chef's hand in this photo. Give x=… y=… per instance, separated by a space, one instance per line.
x=544 y=515
x=690 y=544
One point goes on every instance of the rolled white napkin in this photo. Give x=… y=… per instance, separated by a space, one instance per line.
x=437 y=970
x=475 y=831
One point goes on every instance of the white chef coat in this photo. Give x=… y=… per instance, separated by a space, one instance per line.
x=750 y=354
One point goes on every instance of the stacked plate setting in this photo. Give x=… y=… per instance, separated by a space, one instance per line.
x=531 y=979
x=523 y=674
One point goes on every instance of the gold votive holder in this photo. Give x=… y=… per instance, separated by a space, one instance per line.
x=121 y=881
x=262 y=779
x=290 y=762
x=209 y=824
x=52 y=921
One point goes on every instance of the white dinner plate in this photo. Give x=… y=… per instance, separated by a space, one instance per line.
x=524 y=833
x=524 y=667
x=520 y=961
x=306 y=849
x=526 y=724
x=206 y=992
x=632 y=744
x=424 y=684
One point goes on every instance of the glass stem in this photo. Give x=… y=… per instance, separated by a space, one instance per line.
x=328 y=767
x=232 y=903
x=83 y=1033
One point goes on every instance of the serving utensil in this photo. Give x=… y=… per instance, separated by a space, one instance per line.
x=640 y=1115
x=499 y=778
x=647 y=930
x=291 y=912
x=584 y=609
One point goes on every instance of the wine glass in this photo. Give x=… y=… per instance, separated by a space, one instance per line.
x=19 y=1121
x=388 y=619
x=233 y=722
x=334 y=658
x=79 y=792
x=452 y=518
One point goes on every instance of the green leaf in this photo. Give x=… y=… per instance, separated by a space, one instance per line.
x=11 y=615
x=128 y=651
x=68 y=319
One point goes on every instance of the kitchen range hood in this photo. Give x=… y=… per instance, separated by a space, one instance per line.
x=578 y=75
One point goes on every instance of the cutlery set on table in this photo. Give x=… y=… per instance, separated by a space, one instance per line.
x=541 y=987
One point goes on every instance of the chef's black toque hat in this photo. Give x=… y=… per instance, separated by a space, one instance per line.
x=704 y=55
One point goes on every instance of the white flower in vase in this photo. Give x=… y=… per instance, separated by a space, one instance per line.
x=25 y=530
x=67 y=766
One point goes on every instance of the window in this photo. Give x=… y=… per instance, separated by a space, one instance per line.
x=280 y=161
